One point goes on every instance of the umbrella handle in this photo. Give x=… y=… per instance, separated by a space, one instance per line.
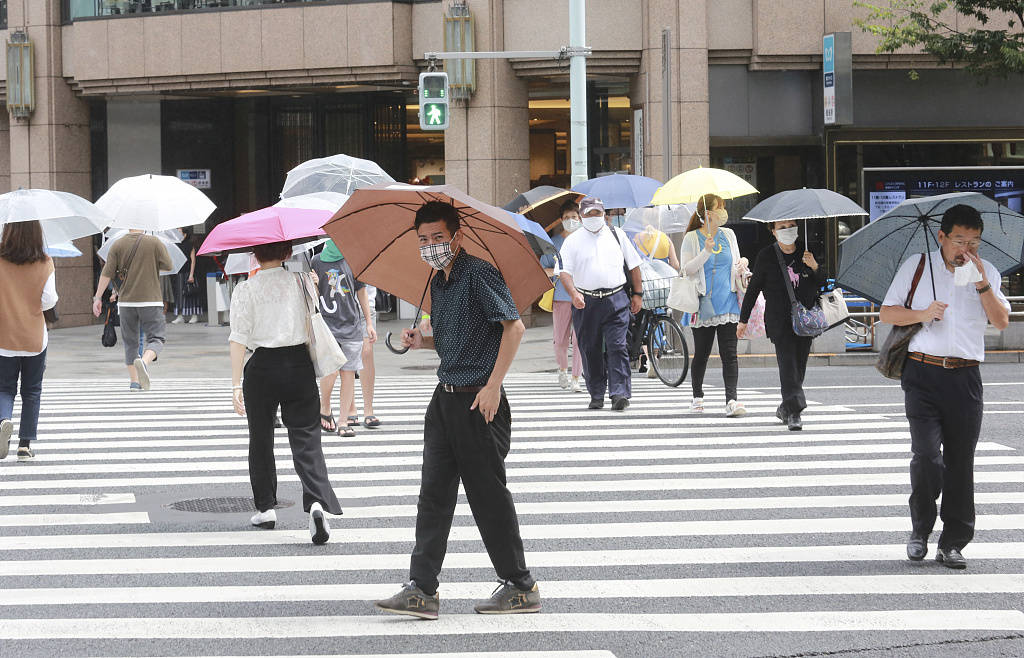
x=394 y=350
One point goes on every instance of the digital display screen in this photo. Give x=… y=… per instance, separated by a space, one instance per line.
x=885 y=188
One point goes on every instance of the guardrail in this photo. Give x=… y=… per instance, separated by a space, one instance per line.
x=874 y=314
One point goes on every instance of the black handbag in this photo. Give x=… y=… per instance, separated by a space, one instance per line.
x=892 y=355
x=109 y=336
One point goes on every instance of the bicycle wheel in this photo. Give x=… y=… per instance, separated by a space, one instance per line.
x=667 y=349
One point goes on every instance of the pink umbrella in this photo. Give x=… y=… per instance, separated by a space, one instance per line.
x=275 y=224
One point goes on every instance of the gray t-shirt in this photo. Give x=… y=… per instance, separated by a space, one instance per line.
x=338 y=301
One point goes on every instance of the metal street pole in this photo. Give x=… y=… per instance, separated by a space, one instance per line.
x=578 y=91
x=666 y=103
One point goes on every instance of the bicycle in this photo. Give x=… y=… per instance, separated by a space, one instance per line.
x=666 y=346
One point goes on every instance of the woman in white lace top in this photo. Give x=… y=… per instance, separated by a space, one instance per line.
x=268 y=317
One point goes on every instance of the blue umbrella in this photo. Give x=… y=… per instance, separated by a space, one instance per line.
x=869 y=259
x=620 y=190
x=535 y=235
x=62 y=250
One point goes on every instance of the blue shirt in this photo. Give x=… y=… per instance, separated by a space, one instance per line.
x=721 y=299
x=548 y=261
x=466 y=312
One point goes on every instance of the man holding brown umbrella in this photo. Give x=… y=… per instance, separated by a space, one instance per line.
x=468 y=425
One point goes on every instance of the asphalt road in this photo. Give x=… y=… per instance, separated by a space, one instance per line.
x=652 y=532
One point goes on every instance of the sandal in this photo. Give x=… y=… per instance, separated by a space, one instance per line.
x=346 y=432
x=371 y=421
x=327 y=423
x=353 y=421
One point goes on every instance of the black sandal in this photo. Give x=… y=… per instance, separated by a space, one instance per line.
x=328 y=419
x=371 y=422
x=346 y=432
x=353 y=421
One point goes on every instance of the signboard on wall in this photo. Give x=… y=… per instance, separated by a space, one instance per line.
x=837 y=78
x=638 y=142
x=195 y=177
x=885 y=187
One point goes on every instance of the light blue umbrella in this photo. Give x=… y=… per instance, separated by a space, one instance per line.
x=62 y=250
x=535 y=235
x=620 y=190
x=869 y=259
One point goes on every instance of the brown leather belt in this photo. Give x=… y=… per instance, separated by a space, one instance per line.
x=448 y=388
x=947 y=362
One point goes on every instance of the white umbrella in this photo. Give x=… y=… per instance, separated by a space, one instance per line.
x=155 y=203
x=62 y=250
x=667 y=219
x=178 y=257
x=337 y=173
x=63 y=216
x=315 y=201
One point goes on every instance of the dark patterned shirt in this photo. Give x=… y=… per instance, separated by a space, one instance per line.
x=466 y=312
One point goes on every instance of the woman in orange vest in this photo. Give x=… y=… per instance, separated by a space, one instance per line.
x=27 y=288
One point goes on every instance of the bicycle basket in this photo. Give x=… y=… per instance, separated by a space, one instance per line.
x=656 y=292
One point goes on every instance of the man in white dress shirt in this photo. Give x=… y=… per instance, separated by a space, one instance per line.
x=594 y=264
x=941 y=379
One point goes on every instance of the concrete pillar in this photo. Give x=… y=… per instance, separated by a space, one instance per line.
x=690 y=124
x=487 y=146
x=50 y=149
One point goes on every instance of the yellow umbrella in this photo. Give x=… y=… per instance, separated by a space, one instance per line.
x=690 y=185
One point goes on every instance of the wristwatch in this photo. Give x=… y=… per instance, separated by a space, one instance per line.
x=639 y=294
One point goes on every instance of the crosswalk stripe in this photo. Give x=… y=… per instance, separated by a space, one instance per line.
x=552 y=589
x=41 y=500
x=362 y=626
x=32 y=520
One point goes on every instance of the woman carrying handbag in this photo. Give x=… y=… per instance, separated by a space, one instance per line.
x=711 y=258
x=800 y=274
x=270 y=316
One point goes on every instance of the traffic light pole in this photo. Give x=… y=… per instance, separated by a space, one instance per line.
x=577 y=54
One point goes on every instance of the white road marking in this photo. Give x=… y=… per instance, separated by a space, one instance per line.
x=32 y=520
x=42 y=500
x=249 y=628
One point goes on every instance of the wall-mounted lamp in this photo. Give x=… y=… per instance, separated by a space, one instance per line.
x=459 y=37
x=21 y=91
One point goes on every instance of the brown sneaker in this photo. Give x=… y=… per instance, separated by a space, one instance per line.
x=412 y=601
x=508 y=599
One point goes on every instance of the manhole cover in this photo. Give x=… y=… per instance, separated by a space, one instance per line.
x=227 y=505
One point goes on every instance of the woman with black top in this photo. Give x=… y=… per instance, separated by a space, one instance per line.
x=791 y=351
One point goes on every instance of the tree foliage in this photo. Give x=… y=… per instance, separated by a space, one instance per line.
x=995 y=49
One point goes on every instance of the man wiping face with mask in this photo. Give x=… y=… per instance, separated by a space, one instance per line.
x=594 y=263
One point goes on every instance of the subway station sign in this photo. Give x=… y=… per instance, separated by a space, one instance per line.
x=837 y=78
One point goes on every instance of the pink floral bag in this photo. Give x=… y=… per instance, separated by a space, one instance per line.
x=755 y=324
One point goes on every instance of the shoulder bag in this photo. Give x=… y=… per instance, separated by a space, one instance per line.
x=806 y=321
x=122 y=272
x=625 y=270
x=833 y=305
x=682 y=294
x=324 y=351
x=892 y=356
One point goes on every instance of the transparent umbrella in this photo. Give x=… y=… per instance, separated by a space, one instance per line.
x=63 y=216
x=337 y=173
x=315 y=201
x=178 y=257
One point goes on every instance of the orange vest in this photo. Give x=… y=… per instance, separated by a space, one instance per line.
x=21 y=314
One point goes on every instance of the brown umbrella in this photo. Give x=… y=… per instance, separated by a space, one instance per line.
x=542 y=204
x=374 y=231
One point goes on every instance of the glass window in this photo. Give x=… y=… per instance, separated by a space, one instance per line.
x=90 y=8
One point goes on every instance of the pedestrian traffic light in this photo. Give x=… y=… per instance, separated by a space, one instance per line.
x=433 y=101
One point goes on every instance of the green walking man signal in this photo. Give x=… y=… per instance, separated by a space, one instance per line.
x=433 y=101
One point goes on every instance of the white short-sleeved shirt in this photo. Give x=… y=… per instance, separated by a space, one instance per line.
x=595 y=260
x=269 y=310
x=961 y=332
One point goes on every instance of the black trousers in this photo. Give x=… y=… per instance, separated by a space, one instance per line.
x=601 y=328
x=284 y=376
x=791 y=352
x=458 y=443
x=944 y=408
x=703 y=341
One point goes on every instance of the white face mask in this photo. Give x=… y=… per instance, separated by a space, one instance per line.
x=718 y=217
x=594 y=224
x=570 y=225
x=787 y=236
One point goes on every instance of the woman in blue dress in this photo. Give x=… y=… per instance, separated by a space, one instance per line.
x=711 y=255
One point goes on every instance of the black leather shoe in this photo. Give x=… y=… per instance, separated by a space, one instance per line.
x=619 y=403
x=795 y=423
x=596 y=404
x=781 y=415
x=950 y=557
x=917 y=547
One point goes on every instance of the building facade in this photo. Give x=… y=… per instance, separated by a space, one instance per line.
x=247 y=89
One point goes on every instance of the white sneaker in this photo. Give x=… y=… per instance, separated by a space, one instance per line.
x=6 y=429
x=265 y=520
x=563 y=379
x=194 y=319
x=577 y=386
x=143 y=373
x=319 y=531
x=734 y=409
x=651 y=373
x=178 y=320
x=697 y=406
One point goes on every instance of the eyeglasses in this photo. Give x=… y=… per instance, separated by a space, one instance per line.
x=970 y=244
